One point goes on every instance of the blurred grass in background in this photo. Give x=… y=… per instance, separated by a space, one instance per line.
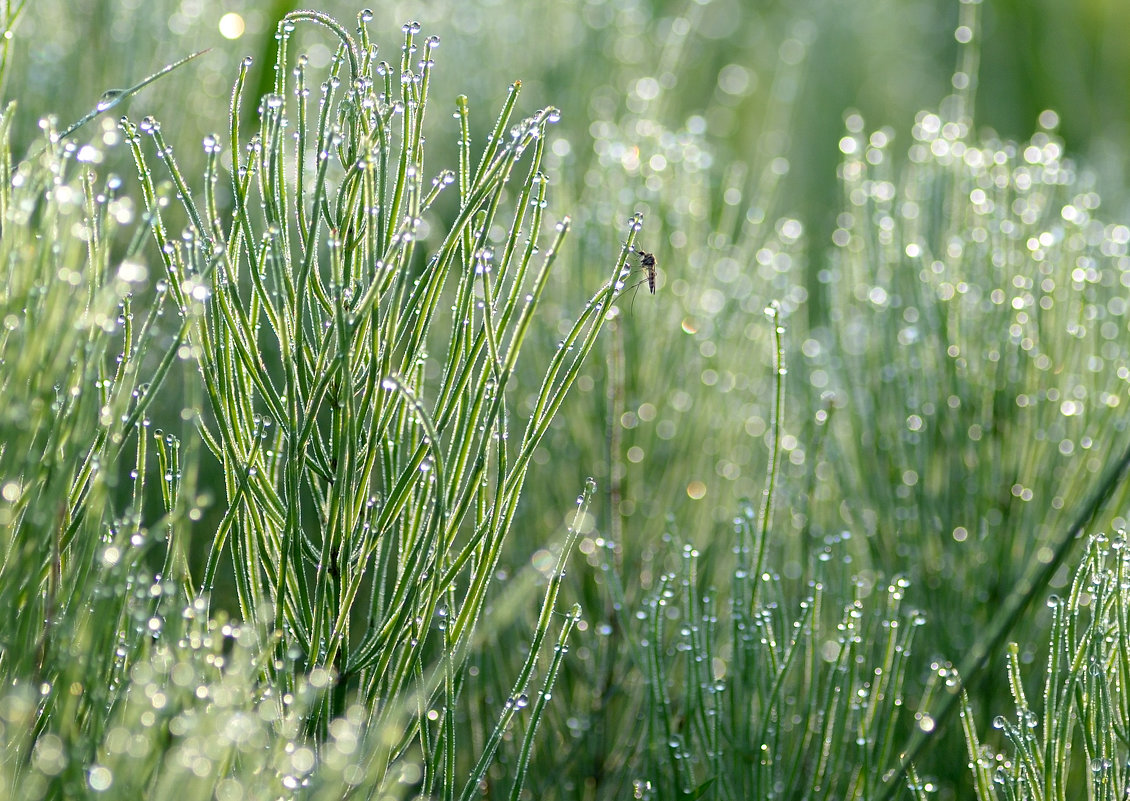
x=887 y=59
x=724 y=123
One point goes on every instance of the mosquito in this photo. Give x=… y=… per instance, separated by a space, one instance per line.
x=647 y=264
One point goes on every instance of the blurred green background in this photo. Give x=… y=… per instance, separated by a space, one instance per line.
x=888 y=59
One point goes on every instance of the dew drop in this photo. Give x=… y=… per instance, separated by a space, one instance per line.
x=109 y=98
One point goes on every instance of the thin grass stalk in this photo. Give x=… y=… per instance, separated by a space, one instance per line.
x=765 y=513
x=542 y=702
x=518 y=699
x=12 y=11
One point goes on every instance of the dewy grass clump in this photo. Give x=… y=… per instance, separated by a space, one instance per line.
x=1072 y=734
x=751 y=694
x=981 y=352
x=353 y=364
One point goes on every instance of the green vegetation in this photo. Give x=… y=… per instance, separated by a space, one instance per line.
x=345 y=456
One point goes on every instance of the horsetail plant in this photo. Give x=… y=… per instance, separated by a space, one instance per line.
x=359 y=381
x=80 y=365
x=355 y=377
x=1075 y=733
x=749 y=699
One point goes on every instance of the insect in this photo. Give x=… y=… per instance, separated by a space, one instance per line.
x=647 y=264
